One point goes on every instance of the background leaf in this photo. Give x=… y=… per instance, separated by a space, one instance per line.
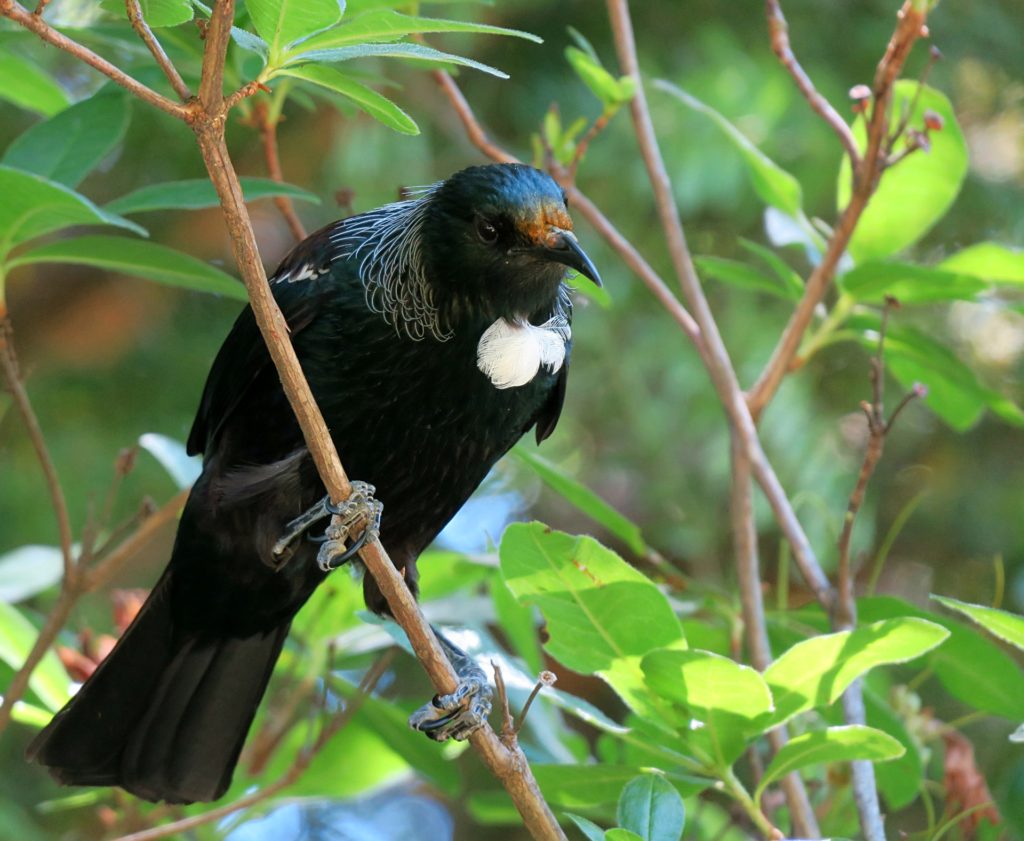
x=915 y=193
x=172 y=456
x=873 y=280
x=988 y=260
x=49 y=681
x=68 y=146
x=26 y=86
x=1003 y=624
x=28 y=570
x=137 y=258
x=193 y=194
x=157 y=13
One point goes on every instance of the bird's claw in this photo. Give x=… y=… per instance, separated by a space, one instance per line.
x=457 y=715
x=336 y=545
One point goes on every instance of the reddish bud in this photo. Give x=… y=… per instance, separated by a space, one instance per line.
x=920 y=390
x=935 y=53
x=860 y=92
x=933 y=121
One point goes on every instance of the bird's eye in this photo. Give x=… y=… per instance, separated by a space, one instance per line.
x=486 y=231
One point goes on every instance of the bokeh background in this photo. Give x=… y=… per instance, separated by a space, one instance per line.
x=110 y=358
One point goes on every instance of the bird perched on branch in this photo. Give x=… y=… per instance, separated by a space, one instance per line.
x=434 y=333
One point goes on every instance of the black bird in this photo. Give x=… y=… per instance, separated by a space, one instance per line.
x=434 y=333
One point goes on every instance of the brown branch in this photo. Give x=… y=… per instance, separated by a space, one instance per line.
x=268 y=133
x=715 y=355
x=866 y=176
x=302 y=761
x=778 y=31
x=805 y=823
x=139 y=24
x=35 y=23
x=244 y=92
x=13 y=384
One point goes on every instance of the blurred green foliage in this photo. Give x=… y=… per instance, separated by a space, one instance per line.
x=640 y=459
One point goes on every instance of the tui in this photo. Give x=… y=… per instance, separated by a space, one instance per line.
x=434 y=332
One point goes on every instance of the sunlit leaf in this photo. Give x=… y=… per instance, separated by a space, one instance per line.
x=583 y=498
x=33 y=206
x=137 y=258
x=193 y=194
x=836 y=744
x=915 y=193
x=988 y=260
x=652 y=808
x=28 y=570
x=49 y=681
x=26 y=86
x=619 y=834
x=771 y=182
x=908 y=283
x=602 y=84
x=68 y=146
x=1003 y=624
x=590 y=829
x=376 y=105
x=815 y=672
x=282 y=22
x=417 y=52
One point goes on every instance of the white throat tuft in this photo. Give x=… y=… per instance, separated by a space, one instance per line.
x=511 y=353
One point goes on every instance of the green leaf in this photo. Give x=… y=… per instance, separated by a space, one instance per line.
x=172 y=456
x=137 y=258
x=602 y=84
x=744 y=276
x=727 y=698
x=517 y=622
x=771 y=182
x=29 y=570
x=652 y=808
x=282 y=22
x=388 y=25
x=900 y=780
x=835 y=744
x=915 y=193
x=583 y=498
x=417 y=52
x=873 y=280
x=26 y=86
x=602 y=615
x=589 y=786
x=157 y=13
x=787 y=276
x=619 y=834
x=815 y=672
x=598 y=608
x=34 y=206
x=49 y=681
x=988 y=260
x=68 y=146
x=972 y=668
x=196 y=193
x=587 y=827
x=1003 y=624
x=377 y=106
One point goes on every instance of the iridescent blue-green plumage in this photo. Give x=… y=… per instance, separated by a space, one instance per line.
x=386 y=312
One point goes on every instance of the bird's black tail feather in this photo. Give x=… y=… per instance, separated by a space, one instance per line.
x=166 y=713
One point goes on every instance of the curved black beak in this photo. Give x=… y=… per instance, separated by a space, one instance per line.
x=563 y=247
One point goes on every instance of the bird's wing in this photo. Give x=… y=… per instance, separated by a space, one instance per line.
x=547 y=417
x=300 y=286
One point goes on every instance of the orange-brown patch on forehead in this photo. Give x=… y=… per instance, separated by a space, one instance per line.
x=538 y=225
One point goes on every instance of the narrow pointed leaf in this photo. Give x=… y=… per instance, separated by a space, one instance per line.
x=367 y=99
x=1003 y=624
x=34 y=206
x=49 y=681
x=744 y=276
x=26 y=86
x=990 y=261
x=417 y=52
x=68 y=146
x=836 y=744
x=590 y=829
x=282 y=22
x=193 y=194
x=137 y=258
x=873 y=280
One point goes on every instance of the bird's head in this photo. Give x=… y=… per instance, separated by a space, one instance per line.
x=499 y=241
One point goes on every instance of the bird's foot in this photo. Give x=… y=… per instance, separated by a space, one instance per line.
x=465 y=710
x=361 y=506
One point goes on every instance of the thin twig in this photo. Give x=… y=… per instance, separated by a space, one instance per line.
x=546 y=678
x=34 y=23
x=12 y=381
x=244 y=92
x=805 y=824
x=302 y=761
x=598 y=126
x=267 y=126
x=778 y=31
x=139 y=24
x=715 y=355
x=866 y=175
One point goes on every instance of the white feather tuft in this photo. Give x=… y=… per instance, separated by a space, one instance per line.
x=511 y=354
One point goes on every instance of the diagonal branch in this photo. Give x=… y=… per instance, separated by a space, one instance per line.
x=866 y=175
x=778 y=31
x=35 y=23
x=139 y=24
